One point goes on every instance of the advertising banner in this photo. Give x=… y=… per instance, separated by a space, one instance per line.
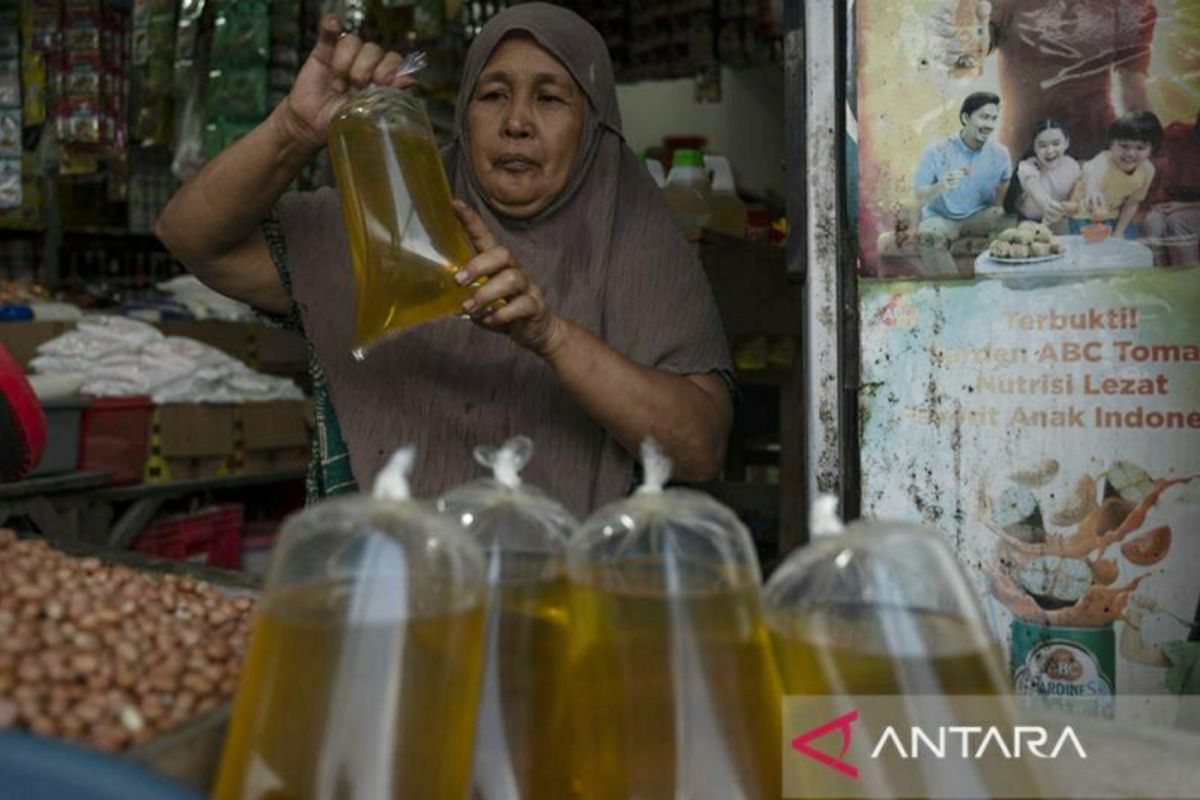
x=1050 y=430
x=1027 y=207
x=1077 y=118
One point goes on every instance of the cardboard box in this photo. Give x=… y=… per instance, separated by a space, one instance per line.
x=279 y=352
x=191 y=440
x=21 y=339
x=275 y=435
x=232 y=338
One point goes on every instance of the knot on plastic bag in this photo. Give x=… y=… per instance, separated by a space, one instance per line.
x=507 y=460
x=823 y=519
x=392 y=481
x=656 y=467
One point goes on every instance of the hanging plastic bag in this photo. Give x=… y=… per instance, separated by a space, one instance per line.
x=406 y=242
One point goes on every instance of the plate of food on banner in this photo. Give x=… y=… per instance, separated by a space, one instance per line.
x=1027 y=243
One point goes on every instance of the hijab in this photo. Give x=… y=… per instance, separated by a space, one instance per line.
x=606 y=254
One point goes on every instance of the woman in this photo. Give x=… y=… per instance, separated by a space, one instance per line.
x=608 y=334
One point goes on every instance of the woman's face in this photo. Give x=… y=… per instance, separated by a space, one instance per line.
x=1049 y=146
x=524 y=122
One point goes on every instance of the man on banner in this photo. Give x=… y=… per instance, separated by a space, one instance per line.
x=960 y=184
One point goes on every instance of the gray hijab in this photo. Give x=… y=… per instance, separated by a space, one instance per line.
x=607 y=256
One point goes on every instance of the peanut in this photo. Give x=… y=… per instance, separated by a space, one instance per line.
x=97 y=654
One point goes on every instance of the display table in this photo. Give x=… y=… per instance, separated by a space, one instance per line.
x=84 y=506
x=54 y=504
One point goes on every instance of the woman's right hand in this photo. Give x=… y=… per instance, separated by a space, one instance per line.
x=340 y=64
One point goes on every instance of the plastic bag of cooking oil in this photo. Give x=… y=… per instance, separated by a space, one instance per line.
x=406 y=242
x=879 y=617
x=520 y=733
x=370 y=626
x=884 y=593
x=673 y=684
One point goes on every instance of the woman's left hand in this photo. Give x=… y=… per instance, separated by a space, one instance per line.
x=509 y=302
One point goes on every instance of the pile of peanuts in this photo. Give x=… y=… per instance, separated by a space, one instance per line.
x=108 y=656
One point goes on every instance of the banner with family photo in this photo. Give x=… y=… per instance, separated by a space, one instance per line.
x=1027 y=136
x=1027 y=204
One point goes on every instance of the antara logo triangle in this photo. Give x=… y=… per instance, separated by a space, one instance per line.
x=842 y=724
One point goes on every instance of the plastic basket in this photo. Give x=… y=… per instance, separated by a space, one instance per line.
x=64 y=417
x=113 y=436
x=211 y=535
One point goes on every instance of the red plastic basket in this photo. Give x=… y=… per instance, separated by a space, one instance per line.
x=211 y=535
x=113 y=435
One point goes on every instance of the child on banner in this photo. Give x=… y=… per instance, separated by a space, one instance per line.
x=1117 y=180
x=1045 y=178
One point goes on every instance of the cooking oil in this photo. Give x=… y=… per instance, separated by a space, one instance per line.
x=674 y=695
x=340 y=699
x=863 y=650
x=520 y=748
x=406 y=242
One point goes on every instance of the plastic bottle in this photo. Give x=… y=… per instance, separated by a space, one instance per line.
x=728 y=210
x=687 y=192
x=655 y=168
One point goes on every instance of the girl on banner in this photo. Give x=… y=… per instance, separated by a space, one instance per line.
x=1045 y=178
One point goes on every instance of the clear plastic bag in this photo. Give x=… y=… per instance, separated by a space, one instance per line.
x=364 y=664
x=879 y=617
x=674 y=685
x=406 y=242
x=521 y=730
x=879 y=608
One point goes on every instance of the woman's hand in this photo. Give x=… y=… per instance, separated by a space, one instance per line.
x=340 y=64
x=509 y=302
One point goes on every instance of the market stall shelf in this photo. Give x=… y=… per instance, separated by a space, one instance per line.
x=85 y=507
